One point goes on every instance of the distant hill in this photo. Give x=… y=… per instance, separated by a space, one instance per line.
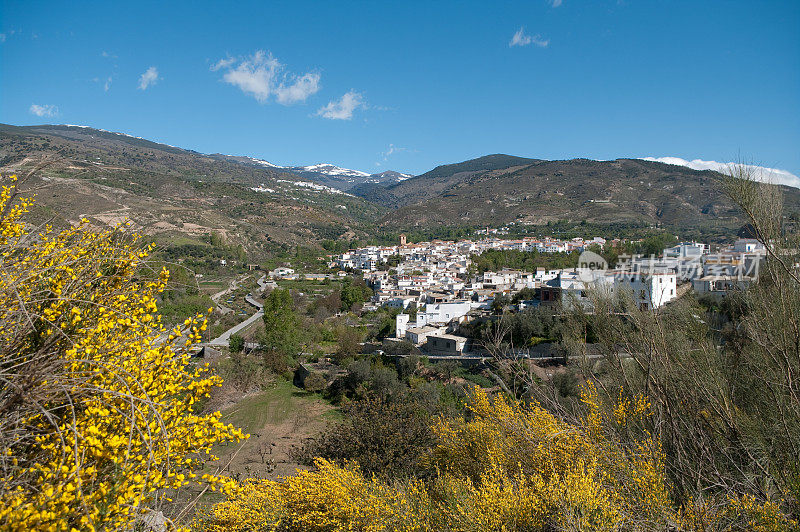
x=434 y=181
x=326 y=174
x=173 y=193
x=499 y=189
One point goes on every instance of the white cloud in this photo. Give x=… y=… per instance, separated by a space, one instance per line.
x=540 y=42
x=521 y=39
x=761 y=173
x=298 y=90
x=107 y=84
x=223 y=63
x=150 y=77
x=391 y=150
x=344 y=108
x=43 y=110
x=263 y=76
x=555 y=3
x=4 y=36
x=255 y=75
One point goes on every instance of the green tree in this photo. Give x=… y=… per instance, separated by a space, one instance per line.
x=281 y=323
x=355 y=293
x=499 y=303
x=446 y=368
x=349 y=342
x=236 y=343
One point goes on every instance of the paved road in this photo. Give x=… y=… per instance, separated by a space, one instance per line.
x=224 y=338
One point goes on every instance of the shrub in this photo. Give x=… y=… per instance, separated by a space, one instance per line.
x=509 y=467
x=236 y=343
x=385 y=439
x=96 y=410
x=315 y=382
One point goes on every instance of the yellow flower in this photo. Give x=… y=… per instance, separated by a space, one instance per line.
x=78 y=302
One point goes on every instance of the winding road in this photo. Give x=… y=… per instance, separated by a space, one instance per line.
x=224 y=339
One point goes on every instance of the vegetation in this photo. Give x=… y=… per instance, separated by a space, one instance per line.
x=281 y=324
x=529 y=261
x=236 y=343
x=386 y=436
x=721 y=379
x=97 y=411
x=506 y=468
x=354 y=293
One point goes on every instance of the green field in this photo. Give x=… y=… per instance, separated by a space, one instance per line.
x=279 y=403
x=277 y=418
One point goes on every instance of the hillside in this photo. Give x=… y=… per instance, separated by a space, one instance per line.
x=498 y=189
x=436 y=181
x=171 y=193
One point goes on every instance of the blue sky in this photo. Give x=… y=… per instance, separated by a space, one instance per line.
x=410 y=85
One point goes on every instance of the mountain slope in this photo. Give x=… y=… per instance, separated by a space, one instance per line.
x=436 y=181
x=496 y=190
x=174 y=193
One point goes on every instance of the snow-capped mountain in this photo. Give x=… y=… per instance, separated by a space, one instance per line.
x=343 y=178
x=328 y=174
x=330 y=169
x=388 y=176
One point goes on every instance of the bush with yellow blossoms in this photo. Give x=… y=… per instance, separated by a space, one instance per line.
x=505 y=467
x=97 y=399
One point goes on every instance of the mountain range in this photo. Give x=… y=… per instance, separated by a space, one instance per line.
x=328 y=174
x=174 y=194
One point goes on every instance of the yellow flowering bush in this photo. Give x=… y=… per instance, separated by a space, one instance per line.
x=96 y=397
x=521 y=461
x=329 y=498
x=507 y=467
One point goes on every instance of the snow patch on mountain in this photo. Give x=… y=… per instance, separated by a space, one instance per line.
x=314 y=186
x=107 y=131
x=333 y=170
x=262 y=162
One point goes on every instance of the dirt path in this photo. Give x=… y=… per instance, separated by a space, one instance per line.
x=233 y=285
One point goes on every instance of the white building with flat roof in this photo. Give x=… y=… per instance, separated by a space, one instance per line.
x=649 y=290
x=442 y=312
